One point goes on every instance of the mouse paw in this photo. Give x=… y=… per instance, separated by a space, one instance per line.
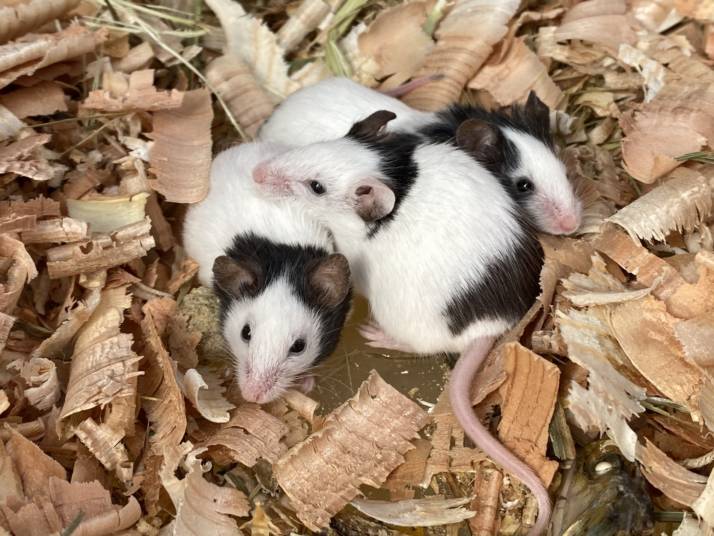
x=376 y=338
x=306 y=384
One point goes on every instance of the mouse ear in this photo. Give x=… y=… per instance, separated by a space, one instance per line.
x=237 y=277
x=478 y=138
x=371 y=127
x=329 y=279
x=537 y=107
x=373 y=199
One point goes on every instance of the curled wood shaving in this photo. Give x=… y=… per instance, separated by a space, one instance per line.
x=60 y=338
x=34 y=467
x=201 y=507
x=426 y=512
x=676 y=482
x=181 y=155
x=103 y=361
x=18 y=158
x=307 y=17
x=410 y=474
x=60 y=230
x=611 y=399
x=66 y=502
x=133 y=92
x=394 y=45
x=361 y=442
x=598 y=21
x=206 y=394
x=465 y=39
x=106 y=446
x=105 y=214
x=658 y=357
x=529 y=397
x=233 y=80
x=18 y=268
x=17 y=18
x=23 y=58
x=40 y=375
x=251 y=434
x=252 y=41
x=101 y=252
x=45 y=98
x=678 y=121
x=680 y=204
x=164 y=406
x=510 y=78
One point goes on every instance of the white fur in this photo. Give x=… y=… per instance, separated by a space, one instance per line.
x=277 y=317
x=327 y=110
x=455 y=220
x=555 y=207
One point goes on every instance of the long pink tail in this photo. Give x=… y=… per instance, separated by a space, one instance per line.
x=460 y=396
x=405 y=88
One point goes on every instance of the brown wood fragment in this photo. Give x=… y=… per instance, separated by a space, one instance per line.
x=402 y=481
x=529 y=398
x=234 y=81
x=45 y=98
x=101 y=252
x=133 y=92
x=60 y=230
x=486 y=501
x=361 y=442
x=21 y=16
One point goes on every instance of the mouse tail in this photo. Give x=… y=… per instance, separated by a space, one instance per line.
x=406 y=87
x=460 y=396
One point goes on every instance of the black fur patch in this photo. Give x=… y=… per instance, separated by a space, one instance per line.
x=277 y=260
x=508 y=290
x=396 y=152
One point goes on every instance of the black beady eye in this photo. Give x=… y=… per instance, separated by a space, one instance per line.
x=298 y=346
x=245 y=333
x=317 y=187
x=524 y=186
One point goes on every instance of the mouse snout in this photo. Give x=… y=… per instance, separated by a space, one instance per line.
x=567 y=222
x=259 y=388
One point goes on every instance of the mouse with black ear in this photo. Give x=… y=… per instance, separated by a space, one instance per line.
x=284 y=293
x=520 y=151
x=436 y=244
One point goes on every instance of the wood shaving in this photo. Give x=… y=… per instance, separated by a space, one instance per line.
x=102 y=251
x=105 y=214
x=308 y=16
x=134 y=92
x=181 y=155
x=402 y=481
x=233 y=80
x=427 y=512
x=56 y=231
x=44 y=98
x=377 y=417
x=17 y=18
x=206 y=394
x=459 y=51
x=515 y=75
x=678 y=483
x=42 y=385
x=529 y=397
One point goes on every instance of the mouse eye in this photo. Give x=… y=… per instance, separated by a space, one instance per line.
x=524 y=186
x=245 y=333
x=317 y=187
x=298 y=346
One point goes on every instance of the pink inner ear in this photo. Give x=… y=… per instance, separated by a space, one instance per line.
x=373 y=199
x=261 y=173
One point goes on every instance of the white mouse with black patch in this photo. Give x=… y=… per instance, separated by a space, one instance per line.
x=284 y=294
x=520 y=150
x=435 y=243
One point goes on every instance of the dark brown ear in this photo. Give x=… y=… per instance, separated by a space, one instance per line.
x=536 y=106
x=478 y=138
x=371 y=127
x=329 y=278
x=237 y=278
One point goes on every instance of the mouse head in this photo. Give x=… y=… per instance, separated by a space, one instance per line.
x=518 y=147
x=279 y=324
x=337 y=178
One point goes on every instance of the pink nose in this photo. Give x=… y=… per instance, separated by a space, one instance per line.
x=258 y=390
x=568 y=223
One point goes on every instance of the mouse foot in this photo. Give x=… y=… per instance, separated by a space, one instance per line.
x=376 y=338
x=307 y=384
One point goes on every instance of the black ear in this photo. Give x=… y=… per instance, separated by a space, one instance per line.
x=537 y=107
x=329 y=280
x=237 y=277
x=478 y=138
x=372 y=127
